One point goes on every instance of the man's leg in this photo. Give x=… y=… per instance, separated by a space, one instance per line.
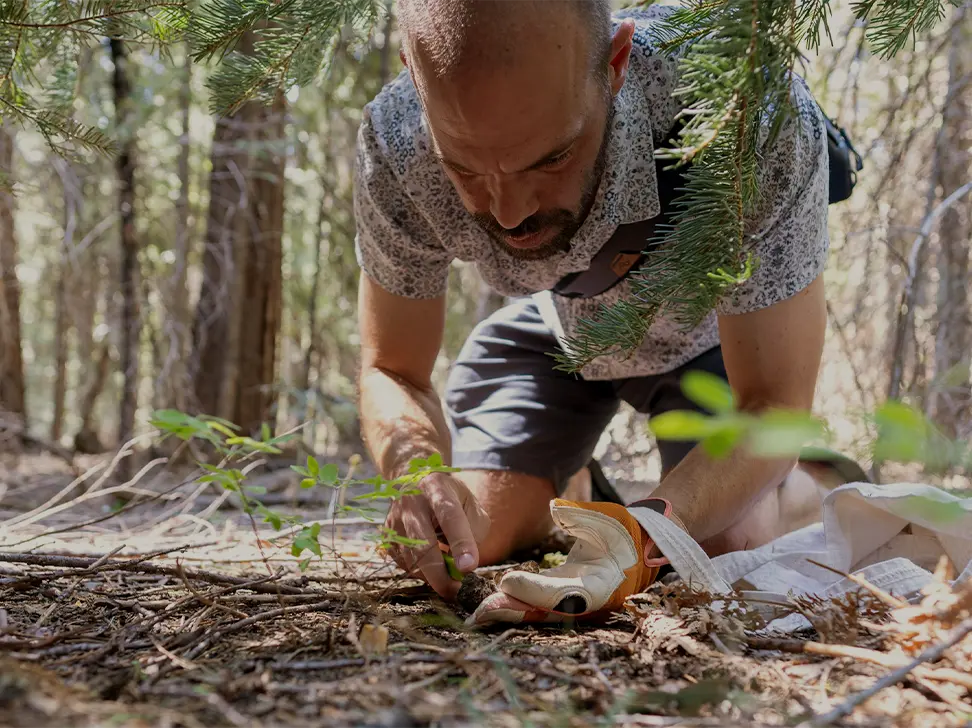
x=520 y=429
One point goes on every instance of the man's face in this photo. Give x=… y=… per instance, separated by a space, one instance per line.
x=524 y=144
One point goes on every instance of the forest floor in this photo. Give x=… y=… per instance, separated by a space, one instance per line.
x=161 y=604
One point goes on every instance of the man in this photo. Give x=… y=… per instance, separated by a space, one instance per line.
x=520 y=137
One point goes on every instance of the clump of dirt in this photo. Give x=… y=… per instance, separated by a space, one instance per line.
x=474 y=590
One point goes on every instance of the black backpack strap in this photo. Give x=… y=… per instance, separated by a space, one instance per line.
x=625 y=249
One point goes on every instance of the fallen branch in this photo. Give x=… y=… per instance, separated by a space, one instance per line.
x=915 y=666
x=84 y=563
x=100 y=564
x=940 y=674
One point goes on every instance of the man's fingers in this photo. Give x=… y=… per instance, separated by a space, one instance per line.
x=428 y=557
x=451 y=516
x=479 y=522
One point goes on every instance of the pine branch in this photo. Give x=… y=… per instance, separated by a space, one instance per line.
x=735 y=62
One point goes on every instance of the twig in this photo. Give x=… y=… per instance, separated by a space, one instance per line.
x=136 y=503
x=498 y=641
x=70 y=590
x=941 y=674
x=892 y=678
x=208 y=576
x=888 y=599
x=220 y=632
x=100 y=564
x=206 y=600
x=905 y=307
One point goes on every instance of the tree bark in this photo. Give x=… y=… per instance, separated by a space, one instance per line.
x=950 y=397
x=129 y=271
x=173 y=375
x=262 y=300
x=12 y=387
x=238 y=314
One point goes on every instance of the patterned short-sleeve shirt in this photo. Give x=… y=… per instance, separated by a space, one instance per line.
x=411 y=223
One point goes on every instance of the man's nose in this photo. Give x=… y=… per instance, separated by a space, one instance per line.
x=512 y=200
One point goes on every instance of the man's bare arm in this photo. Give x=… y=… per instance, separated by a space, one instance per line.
x=772 y=359
x=402 y=418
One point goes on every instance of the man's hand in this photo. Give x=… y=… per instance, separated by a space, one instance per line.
x=445 y=506
x=613 y=558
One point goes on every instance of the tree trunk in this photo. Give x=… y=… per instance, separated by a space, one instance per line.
x=129 y=273
x=173 y=375
x=12 y=389
x=238 y=314
x=262 y=300
x=950 y=398
x=87 y=439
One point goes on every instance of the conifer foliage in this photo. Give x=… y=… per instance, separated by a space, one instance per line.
x=736 y=58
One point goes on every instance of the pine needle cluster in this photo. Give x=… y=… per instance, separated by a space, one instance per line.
x=736 y=61
x=40 y=44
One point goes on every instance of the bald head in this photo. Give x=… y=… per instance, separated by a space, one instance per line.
x=450 y=37
x=517 y=96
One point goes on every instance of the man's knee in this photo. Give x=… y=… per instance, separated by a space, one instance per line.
x=518 y=506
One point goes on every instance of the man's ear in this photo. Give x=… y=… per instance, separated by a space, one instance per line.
x=620 y=55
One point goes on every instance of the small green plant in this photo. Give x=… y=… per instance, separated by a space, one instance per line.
x=230 y=473
x=902 y=434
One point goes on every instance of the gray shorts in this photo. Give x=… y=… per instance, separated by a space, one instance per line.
x=509 y=409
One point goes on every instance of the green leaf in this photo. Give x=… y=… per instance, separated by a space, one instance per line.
x=306 y=539
x=256 y=489
x=452 y=568
x=304 y=563
x=721 y=443
x=434 y=460
x=708 y=390
x=683 y=425
x=782 y=433
x=329 y=474
x=903 y=433
x=308 y=483
x=312 y=467
x=273 y=519
x=265 y=434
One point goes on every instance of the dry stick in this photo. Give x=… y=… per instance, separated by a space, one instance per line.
x=169 y=608
x=220 y=632
x=37 y=515
x=905 y=303
x=83 y=563
x=100 y=519
x=205 y=600
x=892 y=678
x=100 y=564
x=888 y=599
x=70 y=590
x=941 y=674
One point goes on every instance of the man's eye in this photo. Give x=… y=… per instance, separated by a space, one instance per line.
x=557 y=161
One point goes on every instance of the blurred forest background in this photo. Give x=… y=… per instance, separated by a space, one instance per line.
x=209 y=266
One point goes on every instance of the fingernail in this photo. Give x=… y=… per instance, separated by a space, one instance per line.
x=466 y=562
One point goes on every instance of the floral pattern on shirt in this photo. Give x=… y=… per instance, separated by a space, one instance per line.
x=411 y=223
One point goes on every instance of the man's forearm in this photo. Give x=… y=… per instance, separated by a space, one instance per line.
x=400 y=422
x=710 y=495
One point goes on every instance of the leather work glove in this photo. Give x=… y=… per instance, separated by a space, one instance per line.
x=613 y=558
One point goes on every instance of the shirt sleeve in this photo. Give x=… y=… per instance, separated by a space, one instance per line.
x=788 y=231
x=394 y=243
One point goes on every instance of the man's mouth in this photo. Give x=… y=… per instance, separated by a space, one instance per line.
x=526 y=241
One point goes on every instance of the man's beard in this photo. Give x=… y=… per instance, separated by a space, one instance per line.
x=566 y=222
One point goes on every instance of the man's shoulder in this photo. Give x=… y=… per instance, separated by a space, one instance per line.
x=394 y=118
